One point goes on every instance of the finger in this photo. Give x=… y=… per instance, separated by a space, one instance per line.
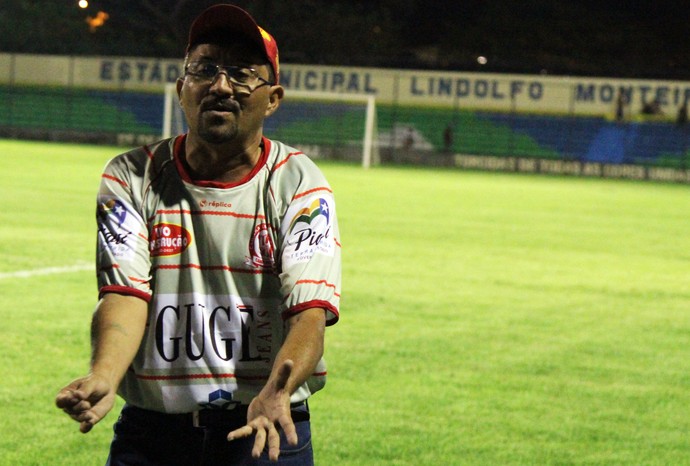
x=91 y=416
x=101 y=408
x=273 y=444
x=242 y=432
x=76 y=409
x=81 y=406
x=289 y=428
x=259 y=443
x=80 y=416
x=66 y=403
x=67 y=397
x=74 y=402
x=85 y=427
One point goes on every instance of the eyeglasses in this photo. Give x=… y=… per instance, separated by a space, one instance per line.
x=242 y=77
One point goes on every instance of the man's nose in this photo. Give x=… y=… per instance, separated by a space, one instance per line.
x=221 y=84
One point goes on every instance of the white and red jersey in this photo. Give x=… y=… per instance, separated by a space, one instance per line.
x=221 y=266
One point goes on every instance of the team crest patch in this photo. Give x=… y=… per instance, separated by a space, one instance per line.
x=262 y=248
x=168 y=239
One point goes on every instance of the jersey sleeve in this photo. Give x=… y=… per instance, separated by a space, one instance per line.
x=311 y=252
x=123 y=259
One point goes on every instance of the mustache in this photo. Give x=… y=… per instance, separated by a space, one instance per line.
x=223 y=105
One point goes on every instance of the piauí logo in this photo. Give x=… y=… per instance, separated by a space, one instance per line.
x=308 y=214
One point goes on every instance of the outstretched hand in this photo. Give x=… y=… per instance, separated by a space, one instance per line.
x=86 y=400
x=269 y=409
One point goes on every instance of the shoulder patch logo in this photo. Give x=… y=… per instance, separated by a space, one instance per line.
x=309 y=214
x=114 y=208
x=117 y=226
x=309 y=232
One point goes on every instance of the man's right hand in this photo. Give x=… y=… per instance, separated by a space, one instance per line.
x=87 y=400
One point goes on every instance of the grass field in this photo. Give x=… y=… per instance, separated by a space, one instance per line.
x=487 y=319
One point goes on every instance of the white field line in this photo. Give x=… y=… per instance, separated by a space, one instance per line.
x=79 y=267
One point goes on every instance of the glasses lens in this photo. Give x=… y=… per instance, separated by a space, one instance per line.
x=202 y=70
x=243 y=76
x=246 y=78
x=207 y=70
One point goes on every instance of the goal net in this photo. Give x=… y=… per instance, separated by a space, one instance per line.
x=322 y=124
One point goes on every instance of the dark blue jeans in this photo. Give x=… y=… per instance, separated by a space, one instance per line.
x=148 y=438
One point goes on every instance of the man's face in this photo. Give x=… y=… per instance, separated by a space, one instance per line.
x=218 y=111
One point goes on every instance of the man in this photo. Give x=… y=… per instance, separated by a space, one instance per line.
x=218 y=271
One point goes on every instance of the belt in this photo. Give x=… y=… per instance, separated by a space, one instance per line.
x=223 y=418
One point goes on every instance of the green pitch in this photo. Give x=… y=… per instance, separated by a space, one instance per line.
x=486 y=318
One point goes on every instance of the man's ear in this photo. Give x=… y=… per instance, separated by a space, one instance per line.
x=277 y=93
x=180 y=83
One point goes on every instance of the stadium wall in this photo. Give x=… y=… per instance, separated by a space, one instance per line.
x=480 y=91
x=531 y=117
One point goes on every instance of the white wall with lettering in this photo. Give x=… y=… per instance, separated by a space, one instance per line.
x=480 y=91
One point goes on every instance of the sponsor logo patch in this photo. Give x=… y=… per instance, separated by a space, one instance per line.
x=310 y=231
x=168 y=239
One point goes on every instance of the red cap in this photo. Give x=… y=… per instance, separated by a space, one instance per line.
x=230 y=19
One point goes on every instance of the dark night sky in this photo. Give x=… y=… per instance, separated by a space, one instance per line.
x=581 y=37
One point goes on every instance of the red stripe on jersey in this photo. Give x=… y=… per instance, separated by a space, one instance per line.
x=211 y=376
x=317 y=303
x=117 y=266
x=109 y=267
x=306 y=193
x=139 y=280
x=206 y=212
x=149 y=154
x=212 y=268
x=316 y=282
x=117 y=180
x=124 y=290
x=186 y=376
x=284 y=161
x=337 y=243
x=228 y=214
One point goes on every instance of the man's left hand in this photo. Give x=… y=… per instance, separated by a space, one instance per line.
x=270 y=409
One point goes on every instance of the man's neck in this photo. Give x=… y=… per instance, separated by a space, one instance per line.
x=220 y=163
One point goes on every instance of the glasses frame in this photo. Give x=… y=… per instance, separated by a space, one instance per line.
x=229 y=70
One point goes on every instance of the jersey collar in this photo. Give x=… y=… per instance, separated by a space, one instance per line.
x=178 y=156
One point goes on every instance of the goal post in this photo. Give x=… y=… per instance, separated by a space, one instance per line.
x=331 y=122
x=173 y=118
x=370 y=155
